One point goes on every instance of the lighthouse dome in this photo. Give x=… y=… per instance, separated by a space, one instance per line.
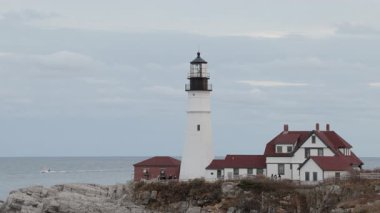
x=198 y=60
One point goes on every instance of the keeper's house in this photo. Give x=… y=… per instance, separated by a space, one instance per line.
x=310 y=155
x=158 y=168
x=307 y=156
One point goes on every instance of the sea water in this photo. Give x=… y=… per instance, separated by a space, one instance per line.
x=18 y=172
x=26 y=171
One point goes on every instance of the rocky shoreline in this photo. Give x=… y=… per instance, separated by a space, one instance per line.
x=71 y=198
x=196 y=196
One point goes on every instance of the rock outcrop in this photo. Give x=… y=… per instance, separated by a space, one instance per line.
x=78 y=198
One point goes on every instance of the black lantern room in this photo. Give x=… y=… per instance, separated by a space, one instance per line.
x=198 y=75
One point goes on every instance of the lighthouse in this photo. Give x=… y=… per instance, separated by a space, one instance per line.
x=198 y=150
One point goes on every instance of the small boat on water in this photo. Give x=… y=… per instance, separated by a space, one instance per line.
x=46 y=170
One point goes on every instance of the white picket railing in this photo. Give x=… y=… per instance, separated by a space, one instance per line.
x=372 y=175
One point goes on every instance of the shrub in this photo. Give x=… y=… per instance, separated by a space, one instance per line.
x=258 y=186
x=171 y=192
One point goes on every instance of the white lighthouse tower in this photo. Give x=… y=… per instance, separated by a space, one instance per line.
x=198 y=151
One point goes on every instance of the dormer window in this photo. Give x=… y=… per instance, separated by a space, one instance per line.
x=279 y=149
x=289 y=148
x=313 y=139
x=345 y=151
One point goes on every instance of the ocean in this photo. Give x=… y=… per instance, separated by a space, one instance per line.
x=18 y=172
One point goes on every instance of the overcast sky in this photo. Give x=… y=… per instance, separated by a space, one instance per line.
x=101 y=78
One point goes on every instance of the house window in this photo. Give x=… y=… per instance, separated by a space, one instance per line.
x=313 y=139
x=162 y=174
x=236 y=171
x=249 y=171
x=337 y=175
x=307 y=152
x=281 y=169
x=279 y=149
x=198 y=127
x=307 y=176
x=320 y=152
x=146 y=173
x=219 y=173
x=289 y=148
x=315 y=176
x=259 y=171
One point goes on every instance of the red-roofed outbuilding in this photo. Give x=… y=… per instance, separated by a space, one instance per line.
x=236 y=166
x=158 y=167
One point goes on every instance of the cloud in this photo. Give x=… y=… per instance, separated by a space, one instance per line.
x=25 y=16
x=113 y=100
x=96 y=81
x=261 y=34
x=374 y=84
x=64 y=60
x=165 y=90
x=272 y=83
x=306 y=33
x=47 y=64
x=356 y=30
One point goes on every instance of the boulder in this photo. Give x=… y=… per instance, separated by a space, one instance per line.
x=338 y=210
x=231 y=210
x=230 y=190
x=153 y=195
x=377 y=188
x=228 y=187
x=194 y=209
x=145 y=197
x=334 y=189
x=181 y=206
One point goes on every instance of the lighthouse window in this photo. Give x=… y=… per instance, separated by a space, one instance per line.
x=198 y=127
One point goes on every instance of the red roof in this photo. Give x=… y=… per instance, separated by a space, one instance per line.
x=353 y=159
x=239 y=161
x=332 y=163
x=159 y=161
x=299 y=136
x=216 y=164
x=289 y=138
x=330 y=138
x=334 y=139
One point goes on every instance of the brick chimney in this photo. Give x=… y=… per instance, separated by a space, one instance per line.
x=286 y=128
x=317 y=126
x=327 y=127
